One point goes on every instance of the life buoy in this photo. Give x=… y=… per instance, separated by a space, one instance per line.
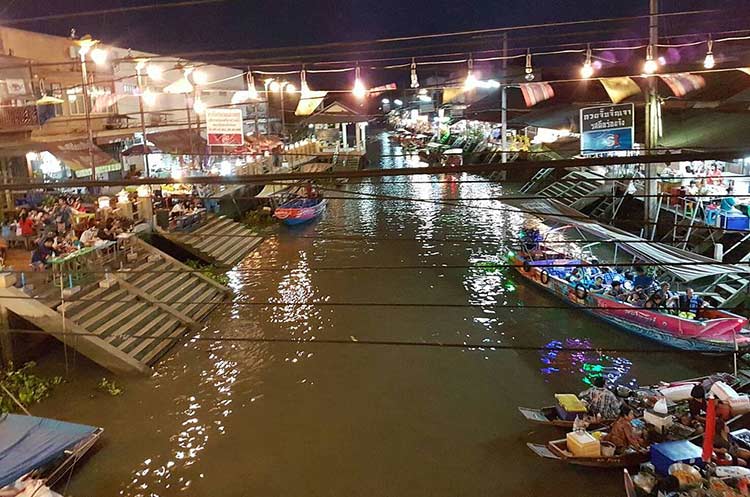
x=527 y=266
x=581 y=291
x=544 y=278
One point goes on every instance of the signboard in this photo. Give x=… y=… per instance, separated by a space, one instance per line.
x=609 y=128
x=224 y=127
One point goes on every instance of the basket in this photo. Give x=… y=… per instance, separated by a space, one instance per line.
x=608 y=449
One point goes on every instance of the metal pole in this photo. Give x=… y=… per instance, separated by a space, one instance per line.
x=189 y=123
x=143 y=120
x=283 y=122
x=87 y=112
x=652 y=102
x=504 y=120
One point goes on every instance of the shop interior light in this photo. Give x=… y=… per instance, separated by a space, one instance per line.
x=709 y=62
x=398 y=102
x=154 y=72
x=99 y=56
x=385 y=101
x=529 y=69
x=650 y=66
x=149 y=97
x=587 y=70
x=359 y=90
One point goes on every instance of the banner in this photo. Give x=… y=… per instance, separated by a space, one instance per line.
x=683 y=83
x=619 y=89
x=224 y=127
x=607 y=129
x=533 y=93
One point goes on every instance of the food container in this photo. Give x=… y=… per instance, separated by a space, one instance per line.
x=569 y=406
x=686 y=474
x=583 y=444
x=722 y=391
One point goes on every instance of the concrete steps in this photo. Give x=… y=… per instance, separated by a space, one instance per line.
x=128 y=324
x=220 y=241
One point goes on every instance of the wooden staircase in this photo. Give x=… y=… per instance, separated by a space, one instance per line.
x=573 y=187
x=728 y=290
x=220 y=240
x=130 y=318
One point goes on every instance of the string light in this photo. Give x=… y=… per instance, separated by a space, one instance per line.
x=471 y=80
x=414 y=78
x=529 y=69
x=359 y=90
x=650 y=66
x=304 y=88
x=709 y=62
x=587 y=70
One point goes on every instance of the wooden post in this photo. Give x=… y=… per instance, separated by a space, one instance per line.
x=6 y=341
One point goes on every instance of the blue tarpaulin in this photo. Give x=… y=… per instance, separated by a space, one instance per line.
x=28 y=442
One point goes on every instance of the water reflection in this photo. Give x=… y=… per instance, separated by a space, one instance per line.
x=584 y=362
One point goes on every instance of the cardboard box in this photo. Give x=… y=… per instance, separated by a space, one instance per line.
x=583 y=444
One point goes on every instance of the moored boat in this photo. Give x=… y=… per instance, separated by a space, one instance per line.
x=300 y=210
x=548 y=416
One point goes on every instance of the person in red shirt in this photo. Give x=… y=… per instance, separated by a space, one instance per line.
x=26 y=226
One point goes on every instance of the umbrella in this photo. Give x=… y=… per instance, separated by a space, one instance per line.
x=49 y=100
x=710 y=432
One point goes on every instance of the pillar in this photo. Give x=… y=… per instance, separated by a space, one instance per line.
x=343 y=135
x=357 y=134
x=6 y=341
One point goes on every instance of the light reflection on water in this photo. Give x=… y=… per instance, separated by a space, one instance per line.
x=238 y=418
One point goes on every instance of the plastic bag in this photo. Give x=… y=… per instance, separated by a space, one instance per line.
x=661 y=406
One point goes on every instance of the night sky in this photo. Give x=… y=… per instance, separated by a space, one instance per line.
x=244 y=24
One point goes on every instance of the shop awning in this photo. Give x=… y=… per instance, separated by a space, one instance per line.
x=656 y=253
x=178 y=141
x=336 y=113
x=75 y=154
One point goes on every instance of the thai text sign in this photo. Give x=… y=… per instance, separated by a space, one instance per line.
x=224 y=127
x=607 y=129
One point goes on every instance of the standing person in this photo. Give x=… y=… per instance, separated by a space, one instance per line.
x=26 y=228
x=600 y=400
x=63 y=215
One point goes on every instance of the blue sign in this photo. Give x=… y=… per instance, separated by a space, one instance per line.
x=608 y=128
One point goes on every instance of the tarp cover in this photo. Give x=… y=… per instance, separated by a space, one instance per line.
x=645 y=250
x=28 y=442
x=75 y=154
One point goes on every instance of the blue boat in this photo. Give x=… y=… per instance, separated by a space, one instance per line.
x=40 y=447
x=300 y=210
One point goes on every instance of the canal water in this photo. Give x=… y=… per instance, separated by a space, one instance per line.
x=233 y=418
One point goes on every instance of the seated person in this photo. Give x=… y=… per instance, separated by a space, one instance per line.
x=177 y=209
x=642 y=279
x=622 y=434
x=654 y=302
x=666 y=293
x=42 y=254
x=689 y=304
x=616 y=290
x=600 y=401
x=90 y=236
x=598 y=285
x=575 y=275
x=637 y=297
x=727 y=453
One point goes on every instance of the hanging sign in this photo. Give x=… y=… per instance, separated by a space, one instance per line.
x=224 y=127
x=608 y=128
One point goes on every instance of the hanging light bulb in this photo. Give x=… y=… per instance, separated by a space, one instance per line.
x=414 y=78
x=304 y=88
x=529 y=69
x=199 y=107
x=252 y=93
x=471 y=80
x=650 y=66
x=154 y=72
x=587 y=70
x=709 y=62
x=359 y=89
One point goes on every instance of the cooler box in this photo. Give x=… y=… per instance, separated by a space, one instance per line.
x=665 y=454
x=658 y=420
x=569 y=406
x=583 y=444
x=724 y=392
x=736 y=222
x=677 y=393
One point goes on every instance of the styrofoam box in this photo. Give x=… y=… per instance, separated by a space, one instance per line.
x=677 y=393
x=722 y=391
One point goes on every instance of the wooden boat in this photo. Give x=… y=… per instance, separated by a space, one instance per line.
x=717 y=330
x=300 y=210
x=558 y=449
x=548 y=416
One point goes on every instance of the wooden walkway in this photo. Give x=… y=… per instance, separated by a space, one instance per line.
x=130 y=320
x=220 y=241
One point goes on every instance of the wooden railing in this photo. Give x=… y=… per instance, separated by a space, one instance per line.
x=12 y=118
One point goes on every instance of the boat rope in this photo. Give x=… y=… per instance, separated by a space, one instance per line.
x=13 y=397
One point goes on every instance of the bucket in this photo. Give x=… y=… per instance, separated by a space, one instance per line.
x=608 y=449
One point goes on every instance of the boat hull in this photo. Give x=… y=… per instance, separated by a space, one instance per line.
x=713 y=335
x=292 y=216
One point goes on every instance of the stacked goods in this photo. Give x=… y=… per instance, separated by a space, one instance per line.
x=569 y=406
x=583 y=444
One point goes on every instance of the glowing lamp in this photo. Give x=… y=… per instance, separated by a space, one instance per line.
x=154 y=72
x=290 y=88
x=144 y=191
x=650 y=66
x=149 y=97
x=200 y=77
x=199 y=107
x=359 y=90
x=709 y=62
x=274 y=86
x=103 y=203
x=122 y=197
x=99 y=56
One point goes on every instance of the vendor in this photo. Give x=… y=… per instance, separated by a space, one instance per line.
x=728 y=203
x=600 y=401
x=622 y=434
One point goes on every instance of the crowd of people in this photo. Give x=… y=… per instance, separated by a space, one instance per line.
x=639 y=289
x=49 y=232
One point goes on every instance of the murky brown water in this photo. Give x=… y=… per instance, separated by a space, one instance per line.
x=245 y=419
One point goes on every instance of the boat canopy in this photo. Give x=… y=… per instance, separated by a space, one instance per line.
x=28 y=443
x=646 y=250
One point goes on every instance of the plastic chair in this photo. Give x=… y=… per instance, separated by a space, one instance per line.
x=712 y=216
